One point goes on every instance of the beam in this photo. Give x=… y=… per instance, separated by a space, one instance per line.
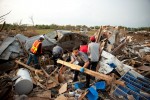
x=26 y=66
x=107 y=78
x=36 y=70
x=99 y=34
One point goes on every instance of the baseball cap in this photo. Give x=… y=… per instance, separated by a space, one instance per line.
x=92 y=38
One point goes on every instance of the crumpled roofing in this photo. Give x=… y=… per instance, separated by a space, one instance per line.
x=10 y=48
x=47 y=42
x=137 y=86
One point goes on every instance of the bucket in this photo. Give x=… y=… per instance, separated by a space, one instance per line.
x=23 y=85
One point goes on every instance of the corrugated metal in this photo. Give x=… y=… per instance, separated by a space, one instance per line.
x=6 y=43
x=5 y=55
x=45 y=43
x=12 y=51
x=137 y=86
x=21 y=38
x=15 y=47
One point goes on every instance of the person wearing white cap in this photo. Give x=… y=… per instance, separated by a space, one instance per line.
x=35 y=51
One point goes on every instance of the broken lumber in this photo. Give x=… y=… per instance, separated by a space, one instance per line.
x=63 y=88
x=99 y=34
x=48 y=76
x=118 y=48
x=26 y=66
x=36 y=70
x=92 y=73
x=83 y=95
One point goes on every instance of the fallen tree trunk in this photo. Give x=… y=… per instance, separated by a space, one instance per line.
x=107 y=78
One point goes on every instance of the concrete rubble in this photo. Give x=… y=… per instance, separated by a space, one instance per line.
x=124 y=72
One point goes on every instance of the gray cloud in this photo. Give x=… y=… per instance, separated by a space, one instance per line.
x=130 y=13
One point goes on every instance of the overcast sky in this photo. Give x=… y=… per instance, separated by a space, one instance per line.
x=130 y=13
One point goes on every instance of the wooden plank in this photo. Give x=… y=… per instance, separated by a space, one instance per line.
x=99 y=34
x=28 y=67
x=83 y=95
x=36 y=70
x=63 y=88
x=120 y=47
x=92 y=73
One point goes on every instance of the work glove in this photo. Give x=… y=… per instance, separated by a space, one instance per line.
x=112 y=65
x=82 y=69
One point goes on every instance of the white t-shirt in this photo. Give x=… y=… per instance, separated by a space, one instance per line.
x=93 y=50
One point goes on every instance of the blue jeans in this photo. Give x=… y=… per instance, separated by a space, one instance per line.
x=35 y=59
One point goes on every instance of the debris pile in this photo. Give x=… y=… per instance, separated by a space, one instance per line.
x=122 y=72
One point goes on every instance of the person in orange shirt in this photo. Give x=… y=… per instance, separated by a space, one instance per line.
x=35 y=51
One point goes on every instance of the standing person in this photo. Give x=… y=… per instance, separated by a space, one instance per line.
x=94 y=52
x=83 y=47
x=35 y=52
x=81 y=59
x=57 y=53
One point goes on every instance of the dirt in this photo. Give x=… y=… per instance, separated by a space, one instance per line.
x=140 y=37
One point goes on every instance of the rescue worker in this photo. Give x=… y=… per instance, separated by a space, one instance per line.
x=35 y=52
x=81 y=59
x=57 y=53
x=94 y=53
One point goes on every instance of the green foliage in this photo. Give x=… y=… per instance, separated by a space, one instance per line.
x=97 y=27
x=15 y=26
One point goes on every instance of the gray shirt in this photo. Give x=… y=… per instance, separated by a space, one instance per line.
x=93 y=50
x=57 y=50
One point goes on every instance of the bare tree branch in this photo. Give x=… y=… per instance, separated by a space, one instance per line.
x=5 y=14
x=2 y=26
x=32 y=20
x=2 y=20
